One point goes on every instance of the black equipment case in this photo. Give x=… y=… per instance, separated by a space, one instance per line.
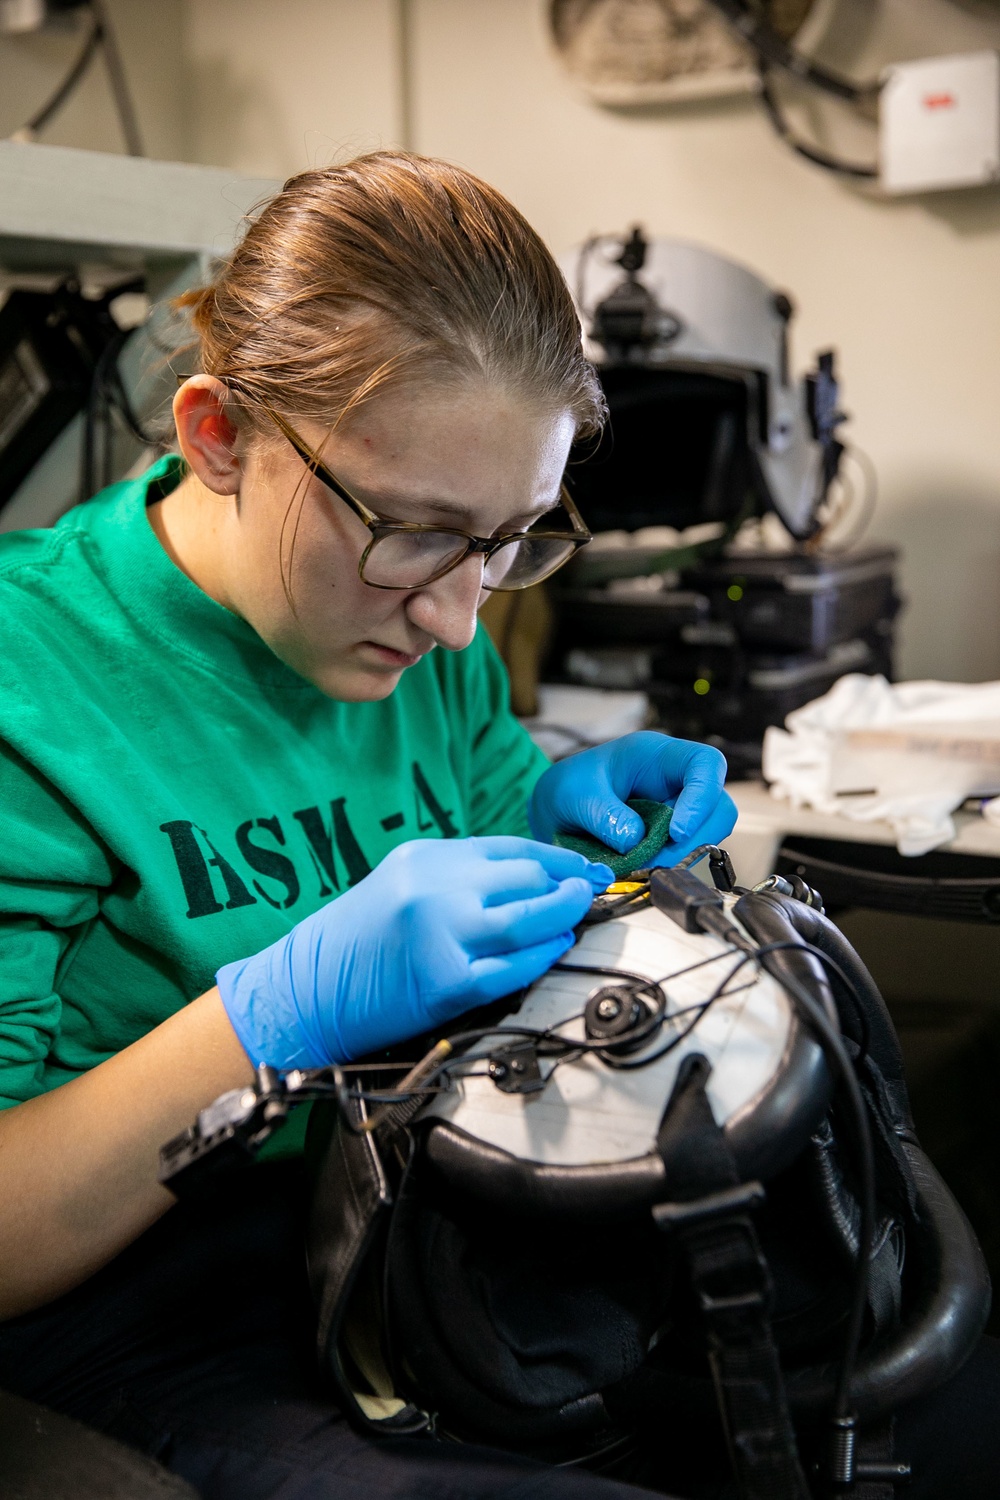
x=740 y=639
x=801 y=601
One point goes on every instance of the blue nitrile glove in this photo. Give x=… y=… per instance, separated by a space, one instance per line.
x=588 y=791
x=437 y=928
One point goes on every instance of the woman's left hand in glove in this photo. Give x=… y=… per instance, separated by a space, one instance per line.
x=587 y=792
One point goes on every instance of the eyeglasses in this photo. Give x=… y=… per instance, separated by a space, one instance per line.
x=407 y=555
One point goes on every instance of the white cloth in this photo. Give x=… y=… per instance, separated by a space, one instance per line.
x=907 y=753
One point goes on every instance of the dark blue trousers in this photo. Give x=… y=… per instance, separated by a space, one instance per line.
x=195 y=1346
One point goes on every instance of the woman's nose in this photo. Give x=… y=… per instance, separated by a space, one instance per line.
x=447 y=608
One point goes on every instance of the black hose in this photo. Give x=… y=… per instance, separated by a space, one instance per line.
x=770 y=925
x=101 y=35
x=815 y=928
x=117 y=79
x=811 y=153
x=772 y=49
x=55 y=102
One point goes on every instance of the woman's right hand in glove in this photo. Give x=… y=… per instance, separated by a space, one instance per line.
x=440 y=926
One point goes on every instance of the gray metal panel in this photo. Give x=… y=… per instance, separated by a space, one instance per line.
x=62 y=209
x=56 y=202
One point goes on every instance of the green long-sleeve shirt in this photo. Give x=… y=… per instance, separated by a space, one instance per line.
x=172 y=796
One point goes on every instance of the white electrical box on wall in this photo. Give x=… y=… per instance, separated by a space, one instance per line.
x=939 y=123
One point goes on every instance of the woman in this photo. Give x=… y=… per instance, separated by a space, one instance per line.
x=263 y=799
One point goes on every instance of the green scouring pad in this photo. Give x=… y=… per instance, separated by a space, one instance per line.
x=655 y=815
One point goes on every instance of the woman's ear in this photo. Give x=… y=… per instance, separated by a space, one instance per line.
x=207 y=434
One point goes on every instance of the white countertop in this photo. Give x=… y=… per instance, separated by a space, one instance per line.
x=765 y=820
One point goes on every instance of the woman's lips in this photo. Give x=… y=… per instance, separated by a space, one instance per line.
x=392 y=657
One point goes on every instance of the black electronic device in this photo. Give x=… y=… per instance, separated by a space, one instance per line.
x=677 y=450
x=597 y=616
x=736 y=643
x=801 y=601
x=732 y=696
x=59 y=356
x=47 y=358
x=708 y=429
x=630 y=319
x=726 y=643
x=705 y=684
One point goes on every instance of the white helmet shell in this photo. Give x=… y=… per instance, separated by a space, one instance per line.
x=729 y=321
x=767 y=1076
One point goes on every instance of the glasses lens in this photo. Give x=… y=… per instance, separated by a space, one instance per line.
x=528 y=560
x=408 y=559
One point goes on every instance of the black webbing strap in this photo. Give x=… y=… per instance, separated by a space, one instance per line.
x=709 y=1215
x=878 y=1471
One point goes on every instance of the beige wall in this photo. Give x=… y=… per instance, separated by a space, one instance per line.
x=149 y=34
x=277 y=85
x=909 y=292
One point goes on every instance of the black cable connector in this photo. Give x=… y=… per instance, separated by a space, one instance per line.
x=694 y=906
x=682 y=897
